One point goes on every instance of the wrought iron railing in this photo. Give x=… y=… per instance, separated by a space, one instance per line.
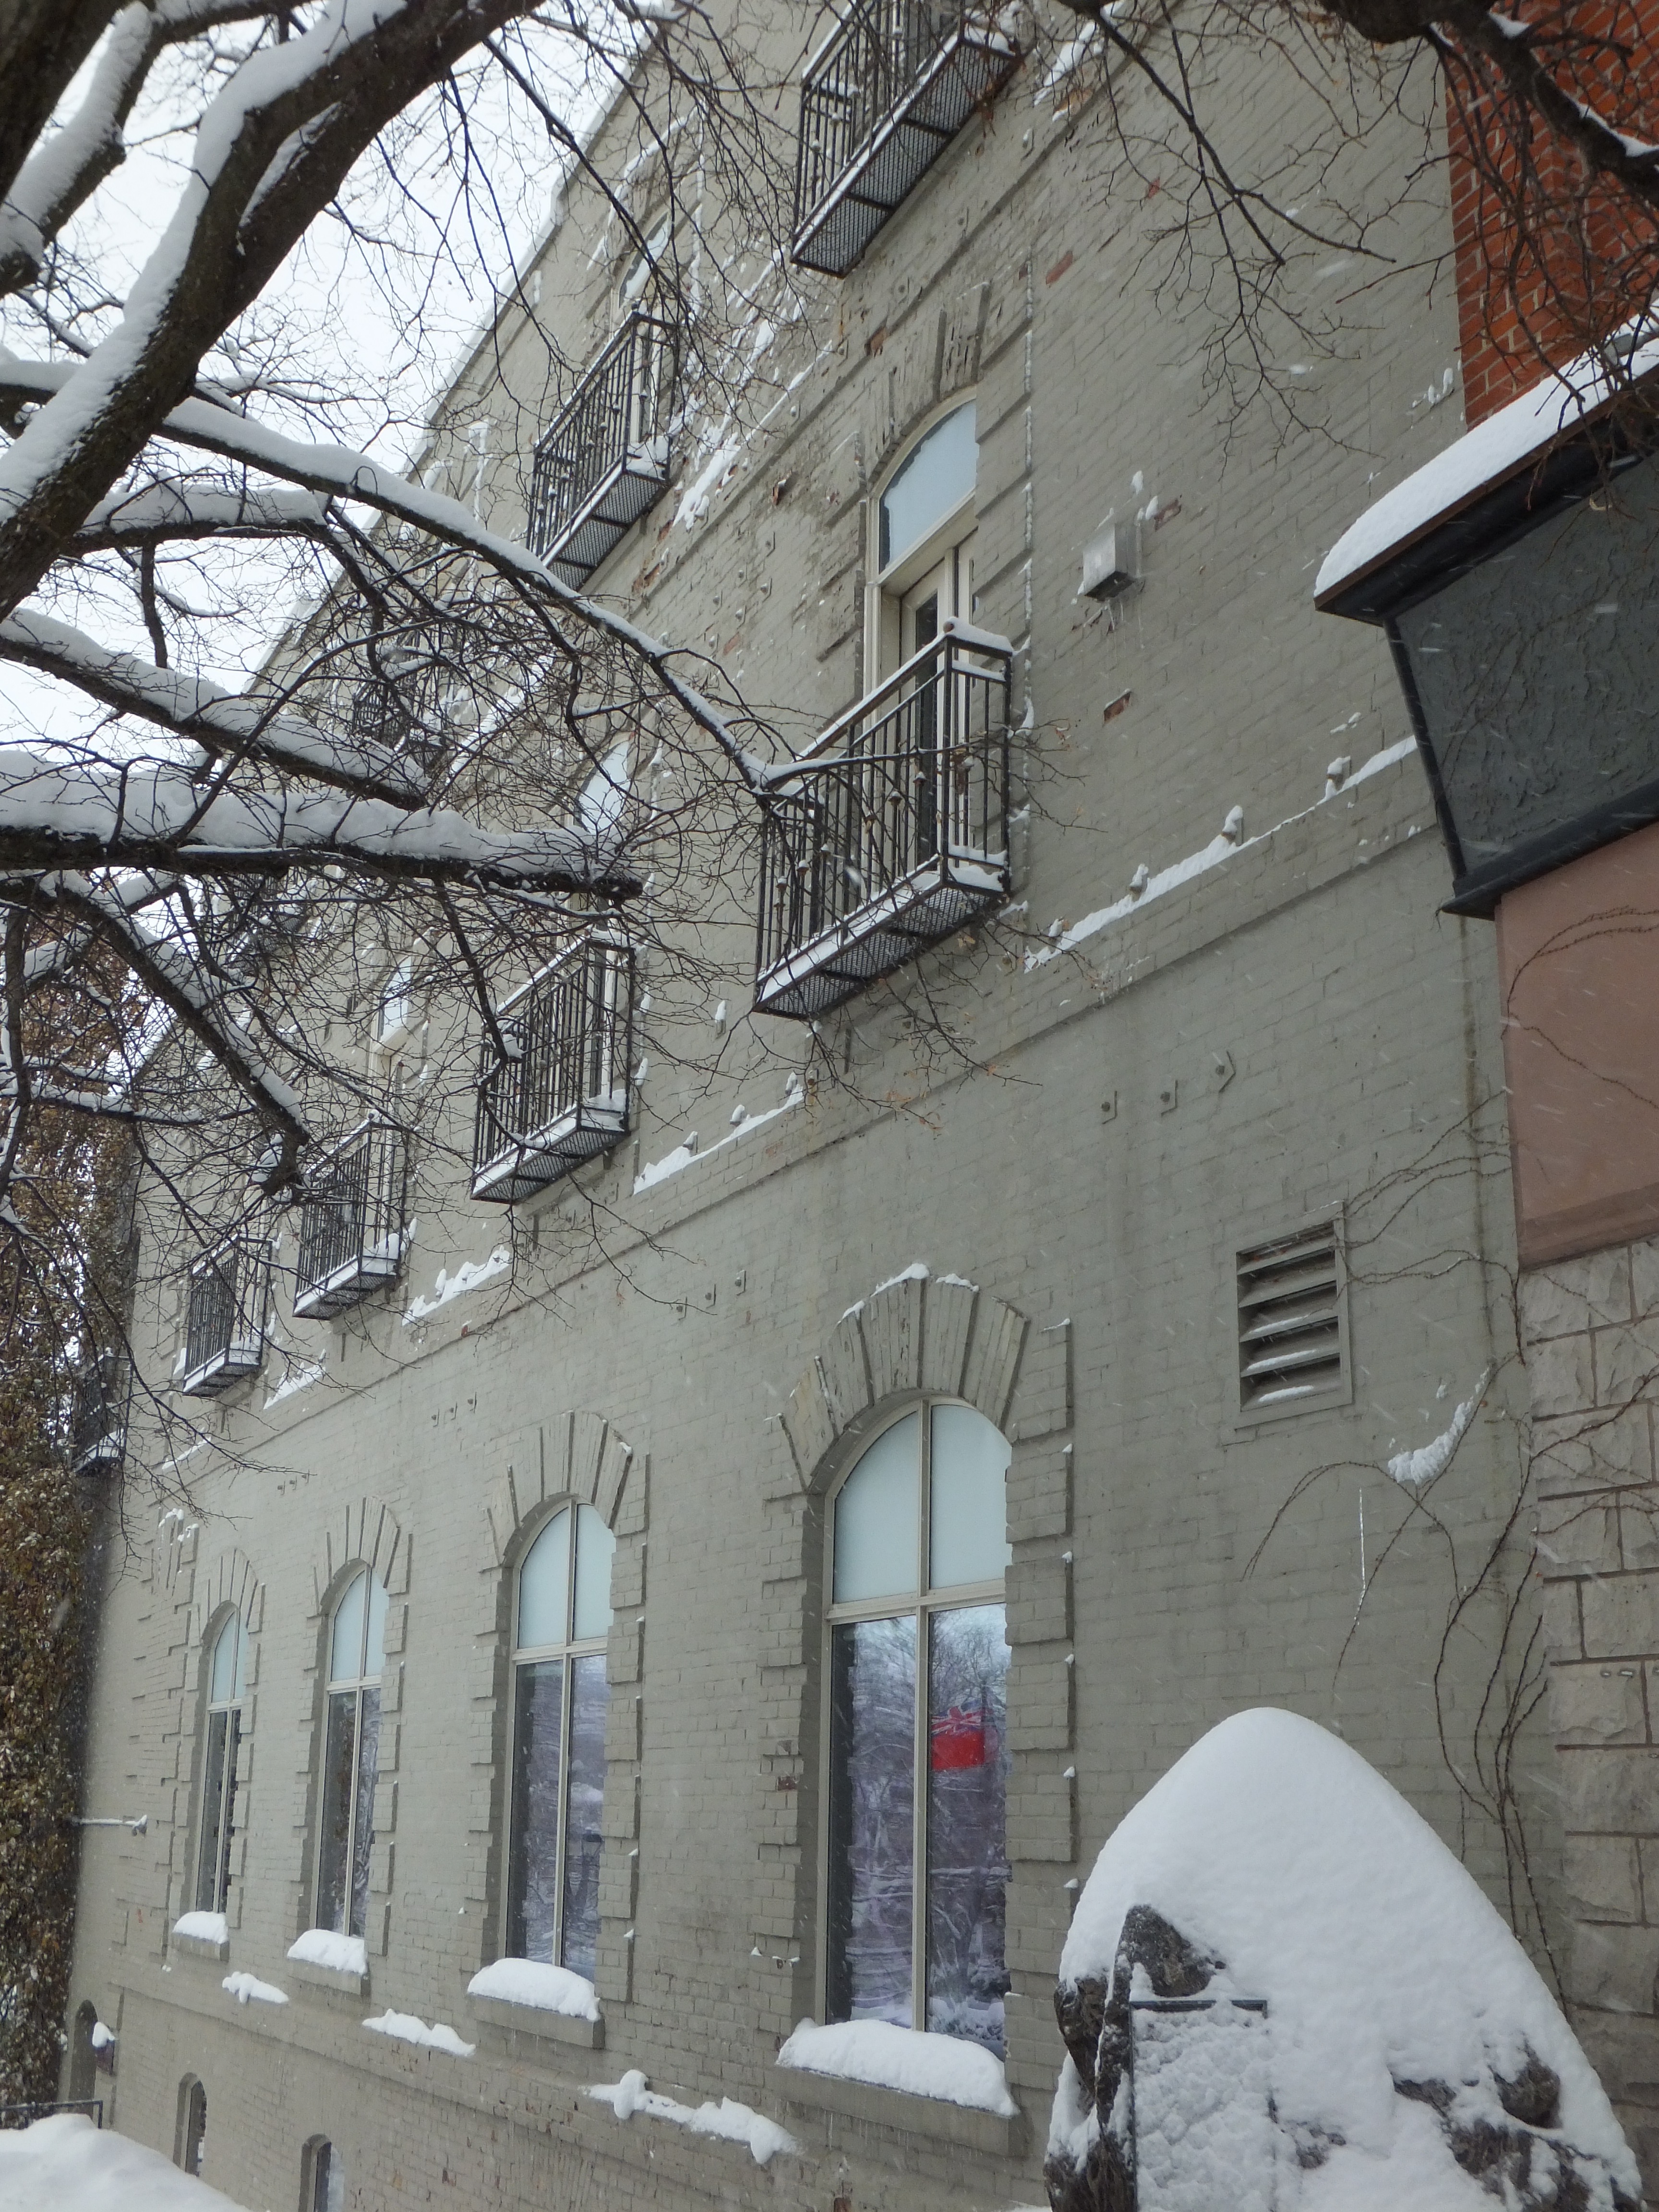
x=102 y=1404
x=398 y=705
x=562 y=1096
x=891 y=833
x=225 y=1335
x=604 y=460
x=880 y=101
x=352 y=1222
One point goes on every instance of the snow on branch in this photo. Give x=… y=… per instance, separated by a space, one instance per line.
x=56 y=813
x=338 y=472
x=157 y=510
x=191 y=706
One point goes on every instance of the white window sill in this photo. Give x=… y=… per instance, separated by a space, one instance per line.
x=968 y=2126
x=536 y=2020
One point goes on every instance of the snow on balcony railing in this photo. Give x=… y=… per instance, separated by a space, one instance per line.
x=102 y=1403
x=604 y=460
x=225 y=1335
x=562 y=1097
x=351 y=1224
x=892 y=832
x=880 y=101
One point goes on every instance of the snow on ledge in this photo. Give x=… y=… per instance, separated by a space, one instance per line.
x=1220 y=850
x=1416 y=1470
x=298 y=1377
x=1493 y=449
x=321 y=1947
x=202 y=1927
x=244 y=1986
x=687 y=1155
x=406 y=2028
x=946 y=2067
x=732 y=2122
x=531 y=1981
x=471 y=1275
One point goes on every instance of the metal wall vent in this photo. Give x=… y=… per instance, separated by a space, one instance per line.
x=1291 y=1350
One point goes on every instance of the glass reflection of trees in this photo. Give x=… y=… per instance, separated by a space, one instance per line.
x=562 y=1619
x=351 y=1758
x=918 y=1753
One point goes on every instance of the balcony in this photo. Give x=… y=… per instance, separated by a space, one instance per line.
x=98 y=1429
x=352 y=1223
x=881 y=101
x=399 y=703
x=891 y=833
x=562 y=1097
x=225 y=1338
x=606 y=459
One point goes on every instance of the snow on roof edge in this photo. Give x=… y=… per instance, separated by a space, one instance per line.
x=1473 y=462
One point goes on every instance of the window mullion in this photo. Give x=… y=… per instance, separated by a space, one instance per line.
x=918 y=1787
x=561 y=1810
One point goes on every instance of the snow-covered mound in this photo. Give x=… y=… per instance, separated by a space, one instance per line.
x=1281 y=1988
x=64 y=2164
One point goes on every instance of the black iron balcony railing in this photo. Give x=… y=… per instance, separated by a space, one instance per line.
x=563 y=1096
x=103 y=1403
x=398 y=705
x=606 y=459
x=352 y=1222
x=225 y=1337
x=881 y=101
x=891 y=833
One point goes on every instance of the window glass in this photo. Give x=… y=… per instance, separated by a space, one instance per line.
x=929 y=485
x=875 y=1514
x=375 y=1658
x=556 y=1835
x=327 y=2180
x=968 y=1508
x=595 y=1549
x=544 y=1584
x=229 y=1662
x=918 y=1773
x=967 y=1822
x=346 y=1650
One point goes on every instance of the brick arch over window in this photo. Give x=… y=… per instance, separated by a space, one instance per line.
x=580 y=1458
x=367 y=1532
x=922 y=1336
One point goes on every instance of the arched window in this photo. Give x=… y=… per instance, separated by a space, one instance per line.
x=561 y=1619
x=189 y=2141
x=918 y=1792
x=322 y=2178
x=226 y=1686
x=924 y=540
x=357 y=1653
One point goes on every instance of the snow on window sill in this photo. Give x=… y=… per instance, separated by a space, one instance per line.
x=201 y=1935
x=324 y=1961
x=527 y=1997
x=966 y=2105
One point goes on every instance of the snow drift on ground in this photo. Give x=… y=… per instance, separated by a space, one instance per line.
x=64 y=2164
x=531 y=1981
x=1281 y=1852
x=890 y=2058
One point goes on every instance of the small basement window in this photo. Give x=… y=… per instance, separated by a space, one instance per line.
x=1292 y=1334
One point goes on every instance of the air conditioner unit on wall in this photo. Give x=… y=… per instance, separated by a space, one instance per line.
x=1110 y=564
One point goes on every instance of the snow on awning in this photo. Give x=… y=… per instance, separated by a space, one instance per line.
x=1513 y=468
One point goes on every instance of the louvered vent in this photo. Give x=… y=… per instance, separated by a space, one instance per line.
x=1290 y=1321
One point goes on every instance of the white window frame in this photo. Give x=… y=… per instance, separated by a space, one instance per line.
x=571 y=1647
x=229 y=1710
x=340 y=1686
x=888 y=585
x=921 y=1604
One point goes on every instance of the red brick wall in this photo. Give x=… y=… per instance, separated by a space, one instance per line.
x=1537 y=291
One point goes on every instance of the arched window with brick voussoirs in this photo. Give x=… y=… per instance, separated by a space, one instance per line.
x=351 y=1755
x=562 y=1621
x=227 y=1688
x=917 y=1666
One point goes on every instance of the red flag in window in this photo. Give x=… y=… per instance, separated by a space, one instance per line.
x=960 y=1739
